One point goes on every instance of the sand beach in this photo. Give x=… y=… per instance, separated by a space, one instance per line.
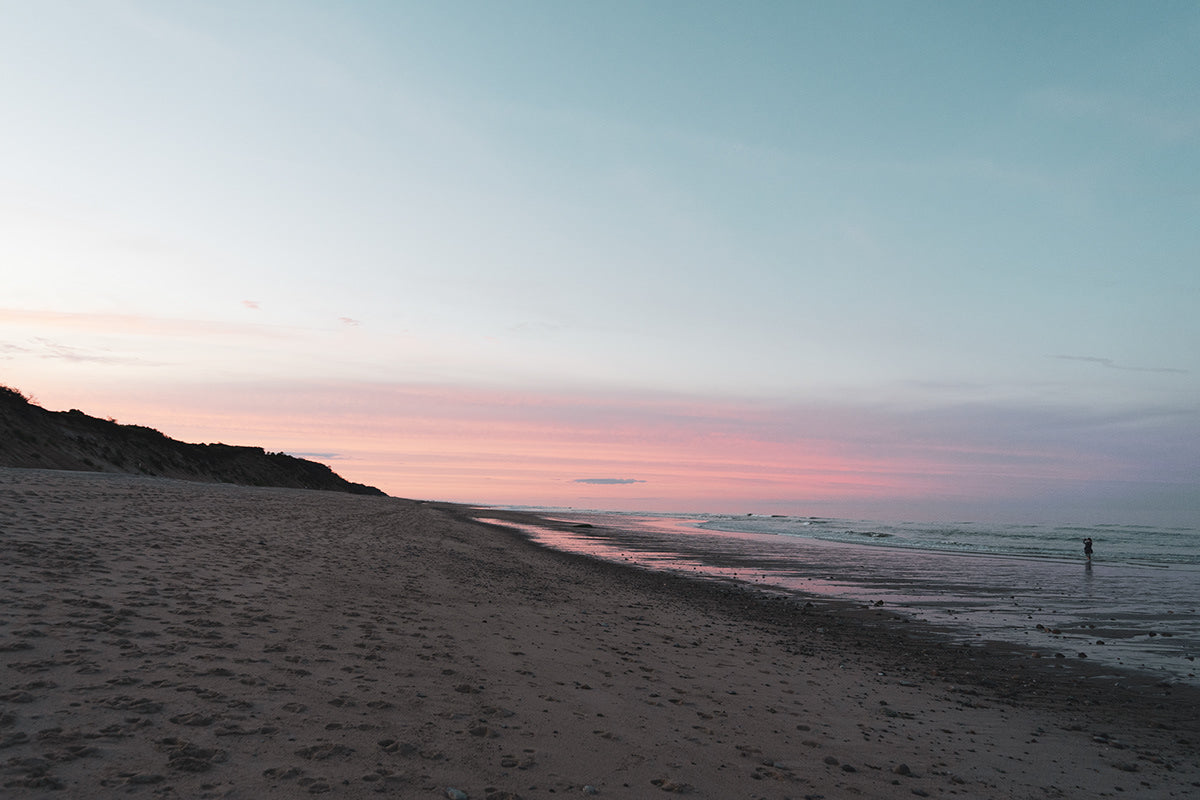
x=169 y=639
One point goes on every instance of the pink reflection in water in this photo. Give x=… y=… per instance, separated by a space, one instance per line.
x=1115 y=615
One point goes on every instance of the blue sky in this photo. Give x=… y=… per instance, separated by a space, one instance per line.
x=966 y=230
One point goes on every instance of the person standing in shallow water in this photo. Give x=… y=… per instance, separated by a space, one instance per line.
x=1087 y=548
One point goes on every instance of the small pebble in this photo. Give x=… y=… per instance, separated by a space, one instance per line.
x=455 y=794
x=589 y=789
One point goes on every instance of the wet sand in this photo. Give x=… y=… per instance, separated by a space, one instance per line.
x=1123 y=615
x=167 y=639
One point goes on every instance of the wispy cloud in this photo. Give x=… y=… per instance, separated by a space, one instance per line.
x=348 y=321
x=66 y=352
x=11 y=349
x=252 y=304
x=1108 y=363
x=139 y=324
x=608 y=481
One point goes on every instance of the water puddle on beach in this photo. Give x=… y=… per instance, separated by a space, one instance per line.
x=1142 y=618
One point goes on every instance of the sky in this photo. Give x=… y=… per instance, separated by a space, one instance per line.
x=879 y=260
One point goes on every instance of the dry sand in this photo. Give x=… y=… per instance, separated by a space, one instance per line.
x=181 y=640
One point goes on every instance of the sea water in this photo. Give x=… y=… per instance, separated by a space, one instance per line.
x=1135 y=605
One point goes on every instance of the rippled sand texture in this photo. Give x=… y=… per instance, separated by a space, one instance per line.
x=176 y=640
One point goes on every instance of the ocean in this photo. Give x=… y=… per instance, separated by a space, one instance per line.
x=1135 y=605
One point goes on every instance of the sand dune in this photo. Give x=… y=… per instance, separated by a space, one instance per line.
x=168 y=639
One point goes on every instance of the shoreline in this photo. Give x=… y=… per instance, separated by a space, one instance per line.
x=1115 y=621
x=167 y=639
x=944 y=646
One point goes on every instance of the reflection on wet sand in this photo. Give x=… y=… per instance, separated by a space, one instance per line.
x=1148 y=615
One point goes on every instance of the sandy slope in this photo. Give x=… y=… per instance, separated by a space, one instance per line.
x=167 y=639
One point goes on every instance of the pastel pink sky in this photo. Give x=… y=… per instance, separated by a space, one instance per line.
x=657 y=451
